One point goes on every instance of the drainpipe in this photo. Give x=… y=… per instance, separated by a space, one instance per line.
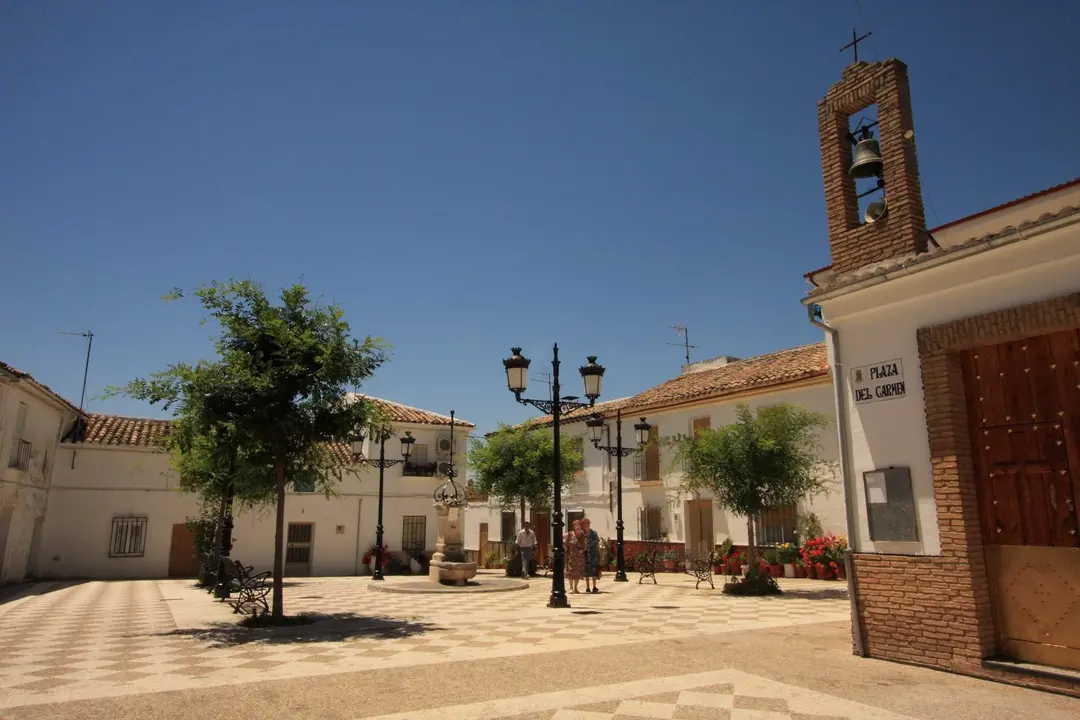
x=842 y=427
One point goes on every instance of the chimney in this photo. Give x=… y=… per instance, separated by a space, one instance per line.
x=711 y=364
x=902 y=230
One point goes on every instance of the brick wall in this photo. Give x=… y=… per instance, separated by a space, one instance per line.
x=937 y=610
x=851 y=243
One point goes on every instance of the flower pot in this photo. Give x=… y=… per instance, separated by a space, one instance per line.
x=716 y=570
x=841 y=573
x=800 y=571
x=776 y=570
x=735 y=568
x=789 y=570
x=810 y=572
x=670 y=565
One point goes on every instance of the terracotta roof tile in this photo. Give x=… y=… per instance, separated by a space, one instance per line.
x=576 y=415
x=406 y=414
x=118 y=430
x=24 y=376
x=798 y=363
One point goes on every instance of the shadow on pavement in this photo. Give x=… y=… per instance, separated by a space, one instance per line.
x=28 y=589
x=314 y=627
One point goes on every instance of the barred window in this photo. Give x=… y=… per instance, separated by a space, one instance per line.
x=775 y=526
x=128 y=538
x=414 y=533
x=649 y=521
x=508 y=529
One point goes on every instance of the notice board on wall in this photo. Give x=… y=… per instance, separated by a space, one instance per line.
x=890 y=505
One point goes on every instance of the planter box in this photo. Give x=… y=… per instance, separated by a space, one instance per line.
x=671 y=566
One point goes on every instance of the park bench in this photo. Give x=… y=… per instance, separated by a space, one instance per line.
x=645 y=563
x=700 y=567
x=250 y=588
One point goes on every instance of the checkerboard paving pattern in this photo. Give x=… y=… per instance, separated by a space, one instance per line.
x=718 y=695
x=99 y=639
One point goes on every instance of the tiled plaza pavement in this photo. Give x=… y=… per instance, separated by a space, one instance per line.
x=100 y=639
x=133 y=650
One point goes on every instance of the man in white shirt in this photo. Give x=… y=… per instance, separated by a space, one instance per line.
x=526 y=542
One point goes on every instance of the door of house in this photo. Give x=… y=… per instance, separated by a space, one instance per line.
x=542 y=527
x=183 y=562
x=1024 y=411
x=482 y=550
x=298 y=549
x=652 y=455
x=699 y=515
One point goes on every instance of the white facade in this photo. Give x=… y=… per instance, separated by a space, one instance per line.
x=879 y=324
x=110 y=482
x=594 y=488
x=32 y=421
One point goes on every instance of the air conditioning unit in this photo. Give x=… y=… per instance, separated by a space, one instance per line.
x=444 y=445
x=442 y=468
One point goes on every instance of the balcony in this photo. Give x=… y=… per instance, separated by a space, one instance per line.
x=419 y=469
x=20 y=455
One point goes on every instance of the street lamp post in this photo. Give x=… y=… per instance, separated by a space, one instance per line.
x=382 y=463
x=517 y=373
x=641 y=432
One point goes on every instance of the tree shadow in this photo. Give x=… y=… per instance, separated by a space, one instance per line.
x=837 y=593
x=307 y=628
x=9 y=593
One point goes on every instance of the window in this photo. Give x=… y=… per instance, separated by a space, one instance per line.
x=413 y=533
x=509 y=525
x=639 y=465
x=304 y=483
x=649 y=523
x=128 y=537
x=573 y=515
x=775 y=526
x=418 y=456
x=20 y=449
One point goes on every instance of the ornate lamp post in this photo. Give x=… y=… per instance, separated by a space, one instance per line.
x=596 y=434
x=517 y=373
x=450 y=494
x=382 y=463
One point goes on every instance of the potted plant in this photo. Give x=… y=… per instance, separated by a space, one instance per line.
x=671 y=561
x=716 y=560
x=772 y=559
x=798 y=567
x=786 y=554
x=735 y=561
x=841 y=571
x=491 y=560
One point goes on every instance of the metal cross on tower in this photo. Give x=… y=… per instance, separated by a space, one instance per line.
x=854 y=44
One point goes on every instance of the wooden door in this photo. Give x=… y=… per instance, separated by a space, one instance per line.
x=1024 y=412
x=700 y=424
x=483 y=550
x=542 y=527
x=298 y=549
x=183 y=562
x=700 y=532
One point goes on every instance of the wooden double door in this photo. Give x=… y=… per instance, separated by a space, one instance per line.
x=1024 y=413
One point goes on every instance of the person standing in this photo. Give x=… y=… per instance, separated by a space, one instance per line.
x=575 y=555
x=526 y=542
x=592 y=555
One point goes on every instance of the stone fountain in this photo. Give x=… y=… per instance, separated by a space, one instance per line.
x=448 y=565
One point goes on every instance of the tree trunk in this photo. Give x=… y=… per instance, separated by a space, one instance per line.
x=279 y=541
x=751 y=546
x=522 y=512
x=219 y=530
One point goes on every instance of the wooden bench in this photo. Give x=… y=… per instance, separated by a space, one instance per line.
x=645 y=563
x=700 y=567
x=250 y=587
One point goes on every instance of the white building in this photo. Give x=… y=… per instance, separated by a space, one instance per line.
x=115 y=509
x=706 y=394
x=32 y=420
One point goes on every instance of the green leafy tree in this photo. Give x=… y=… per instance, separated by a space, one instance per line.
x=515 y=465
x=278 y=394
x=762 y=461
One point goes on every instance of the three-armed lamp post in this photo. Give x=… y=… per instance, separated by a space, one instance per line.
x=517 y=373
x=596 y=434
x=382 y=463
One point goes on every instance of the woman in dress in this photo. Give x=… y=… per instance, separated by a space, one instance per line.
x=592 y=555
x=575 y=555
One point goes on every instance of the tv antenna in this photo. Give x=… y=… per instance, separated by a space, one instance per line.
x=546 y=378
x=79 y=423
x=681 y=329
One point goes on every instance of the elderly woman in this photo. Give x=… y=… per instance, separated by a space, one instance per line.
x=592 y=555
x=575 y=555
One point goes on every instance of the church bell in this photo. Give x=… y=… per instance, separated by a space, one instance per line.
x=867 y=159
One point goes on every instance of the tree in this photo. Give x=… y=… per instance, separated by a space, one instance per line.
x=762 y=461
x=516 y=465
x=277 y=395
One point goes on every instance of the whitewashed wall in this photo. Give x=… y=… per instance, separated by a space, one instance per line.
x=24 y=493
x=879 y=324
x=107 y=482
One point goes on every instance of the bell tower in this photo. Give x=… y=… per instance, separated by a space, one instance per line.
x=894 y=225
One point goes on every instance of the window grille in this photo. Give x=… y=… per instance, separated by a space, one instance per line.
x=775 y=526
x=128 y=538
x=414 y=533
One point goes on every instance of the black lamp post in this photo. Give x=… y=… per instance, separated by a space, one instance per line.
x=641 y=433
x=517 y=373
x=382 y=463
x=450 y=494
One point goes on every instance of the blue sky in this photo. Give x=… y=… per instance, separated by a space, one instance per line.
x=466 y=176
